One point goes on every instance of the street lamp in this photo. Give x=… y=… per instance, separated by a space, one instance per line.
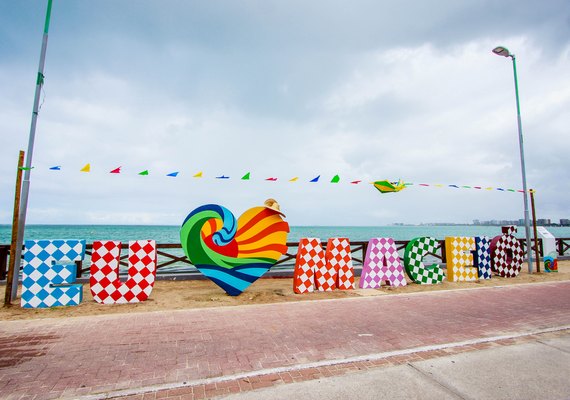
x=27 y=171
x=503 y=51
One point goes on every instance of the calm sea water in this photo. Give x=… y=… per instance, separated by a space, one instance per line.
x=170 y=234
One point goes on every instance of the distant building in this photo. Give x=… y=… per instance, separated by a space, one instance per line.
x=494 y=222
x=564 y=222
x=543 y=221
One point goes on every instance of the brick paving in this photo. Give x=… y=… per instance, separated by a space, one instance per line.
x=212 y=390
x=102 y=355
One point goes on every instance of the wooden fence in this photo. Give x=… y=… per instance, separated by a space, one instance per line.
x=171 y=258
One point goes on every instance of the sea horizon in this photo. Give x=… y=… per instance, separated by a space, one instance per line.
x=170 y=233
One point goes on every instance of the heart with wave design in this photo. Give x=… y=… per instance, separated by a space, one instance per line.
x=234 y=254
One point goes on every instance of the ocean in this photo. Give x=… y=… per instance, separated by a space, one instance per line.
x=170 y=234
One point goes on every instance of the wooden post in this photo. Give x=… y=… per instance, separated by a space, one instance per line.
x=535 y=232
x=14 y=265
x=4 y=251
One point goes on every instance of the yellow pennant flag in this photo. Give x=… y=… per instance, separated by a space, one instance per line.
x=198 y=175
x=86 y=168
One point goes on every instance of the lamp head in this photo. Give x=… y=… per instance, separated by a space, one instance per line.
x=502 y=51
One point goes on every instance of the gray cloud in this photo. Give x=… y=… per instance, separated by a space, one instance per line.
x=365 y=90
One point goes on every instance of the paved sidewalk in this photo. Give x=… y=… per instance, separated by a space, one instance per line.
x=166 y=353
x=534 y=370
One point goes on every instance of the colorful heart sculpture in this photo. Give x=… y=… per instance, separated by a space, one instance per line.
x=234 y=255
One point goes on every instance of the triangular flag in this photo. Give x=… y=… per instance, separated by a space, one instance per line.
x=454 y=186
x=26 y=168
x=198 y=175
x=56 y=168
x=173 y=174
x=145 y=172
x=86 y=168
x=295 y=179
x=222 y=177
x=245 y=177
x=315 y=179
x=335 y=179
x=116 y=171
x=271 y=179
x=355 y=182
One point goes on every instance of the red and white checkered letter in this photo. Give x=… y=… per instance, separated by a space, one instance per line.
x=106 y=287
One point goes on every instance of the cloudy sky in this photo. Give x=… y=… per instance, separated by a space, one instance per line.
x=364 y=89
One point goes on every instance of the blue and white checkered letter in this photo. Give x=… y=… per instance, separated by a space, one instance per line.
x=46 y=280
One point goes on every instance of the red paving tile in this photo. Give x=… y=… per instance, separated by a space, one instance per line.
x=53 y=358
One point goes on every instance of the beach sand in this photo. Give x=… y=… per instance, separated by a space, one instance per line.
x=189 y=294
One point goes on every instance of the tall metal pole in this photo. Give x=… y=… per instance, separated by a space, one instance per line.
x=29 y=154
x=523 y=170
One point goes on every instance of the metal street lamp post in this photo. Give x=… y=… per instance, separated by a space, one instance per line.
x=503 y=51
x=27 y=170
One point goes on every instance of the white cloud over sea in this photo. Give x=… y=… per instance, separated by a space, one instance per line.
x=367 y=90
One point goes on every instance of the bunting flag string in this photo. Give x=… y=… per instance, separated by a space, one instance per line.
x=384 y=186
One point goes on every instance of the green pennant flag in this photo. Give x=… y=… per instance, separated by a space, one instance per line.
x=245 y=177
x=145 y=172
x=335 y=179
x=26 y=168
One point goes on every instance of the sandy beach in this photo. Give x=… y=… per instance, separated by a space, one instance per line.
x=189 y=294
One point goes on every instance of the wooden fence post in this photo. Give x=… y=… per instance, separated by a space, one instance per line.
x=535 y=232
x=14 y=266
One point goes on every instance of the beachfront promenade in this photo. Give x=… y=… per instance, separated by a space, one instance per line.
x=204 y=353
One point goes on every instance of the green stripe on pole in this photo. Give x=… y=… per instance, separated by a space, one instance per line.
x=48 y=16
